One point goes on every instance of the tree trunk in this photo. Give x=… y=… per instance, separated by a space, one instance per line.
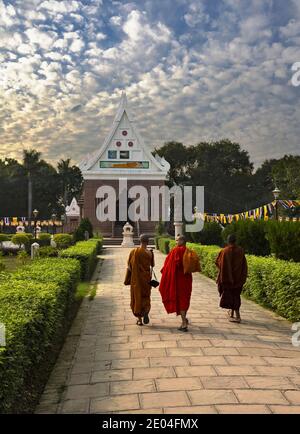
x=29 y=200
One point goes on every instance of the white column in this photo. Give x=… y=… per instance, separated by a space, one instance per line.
x=178 y=229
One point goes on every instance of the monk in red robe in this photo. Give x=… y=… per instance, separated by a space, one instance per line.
x=138 y=276
x=232 y=265
x=176 y=285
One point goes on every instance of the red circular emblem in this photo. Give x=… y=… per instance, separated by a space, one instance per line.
x=124 y=133
x=130 y=144
x=118 y=143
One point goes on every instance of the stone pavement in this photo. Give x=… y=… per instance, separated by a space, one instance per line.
x=110 y=365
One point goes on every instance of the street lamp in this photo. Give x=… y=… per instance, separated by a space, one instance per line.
x=35 y=214
x=53 y=217
x=276 y=192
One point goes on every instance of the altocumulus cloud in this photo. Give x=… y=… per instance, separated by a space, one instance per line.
x=193 y=70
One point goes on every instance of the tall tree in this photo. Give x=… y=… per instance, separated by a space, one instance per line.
x=70 y=180
x=31 y=161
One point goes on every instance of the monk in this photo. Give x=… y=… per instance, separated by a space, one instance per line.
x=232 y=265
x=138 y=276
x=176 y=284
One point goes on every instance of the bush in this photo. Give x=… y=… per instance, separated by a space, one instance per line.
x=271 y=282
x=63 y=240
x=48 y=251
x=284 y=239
x=211 y=234
x=3 y=237
x=163 y=244
x=34 y=306
x=44 y=239
x=84 y=225
x=274 y=284
x=21 y=239
x=86 y=252
x=251 y=235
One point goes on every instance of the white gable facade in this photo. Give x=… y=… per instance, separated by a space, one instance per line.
x=123 y=154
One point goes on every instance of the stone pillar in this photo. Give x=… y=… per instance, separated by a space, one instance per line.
x=178 y=229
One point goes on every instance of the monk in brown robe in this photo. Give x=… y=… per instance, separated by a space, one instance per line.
x=138 y=275
x=232 y=265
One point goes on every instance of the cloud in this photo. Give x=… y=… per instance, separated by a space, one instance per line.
x=192 y=71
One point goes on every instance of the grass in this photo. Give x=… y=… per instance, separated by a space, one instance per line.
x=82 y=290
x=12 y=263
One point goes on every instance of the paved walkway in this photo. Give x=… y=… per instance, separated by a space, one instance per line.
x=110 y=365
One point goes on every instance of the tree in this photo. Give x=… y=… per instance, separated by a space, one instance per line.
x=71 y=180
x=179 y=157
x=31 y=161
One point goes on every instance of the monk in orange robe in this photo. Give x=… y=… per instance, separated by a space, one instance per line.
x=176 y=285
x=138 y=275
x=232 y=265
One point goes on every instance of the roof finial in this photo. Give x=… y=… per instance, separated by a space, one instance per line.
x=123 y=99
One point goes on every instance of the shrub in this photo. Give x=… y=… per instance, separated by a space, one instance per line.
x=20 y=239
x=251 y=235
x=271 y=282
x=86 y=252
x=62 y=240
x=284 y=239
x=3 y=237
x=48 y=251
x=44 y=239
x=34 y=306
x=275 y=284
x=22 y=256
x=211 y=234
x=163 y=244
x=84 y=225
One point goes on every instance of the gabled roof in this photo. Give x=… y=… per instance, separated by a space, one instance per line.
x=160 y=163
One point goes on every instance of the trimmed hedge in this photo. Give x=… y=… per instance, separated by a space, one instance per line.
x=271 y=282
x=63 y=241
x=163 y=244
x=86 y=252
x=35 y=303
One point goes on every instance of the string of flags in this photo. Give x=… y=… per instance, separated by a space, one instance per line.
x=263 y=212
x=22 y=221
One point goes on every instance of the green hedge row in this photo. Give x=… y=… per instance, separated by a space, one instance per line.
x=86 y=252
x=261 y=238
x=271 y=282
x=34 y=306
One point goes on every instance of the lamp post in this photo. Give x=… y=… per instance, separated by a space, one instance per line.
x=35 y=214
x=53 y=217
x=276 y=192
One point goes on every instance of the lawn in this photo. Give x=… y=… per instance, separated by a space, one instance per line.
x=12 y=262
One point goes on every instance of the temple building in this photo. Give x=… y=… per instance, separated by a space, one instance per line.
x=122 y=156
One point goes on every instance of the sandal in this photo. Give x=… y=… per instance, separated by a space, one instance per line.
x=237 y=320
x=183 y=329
x=146 y=319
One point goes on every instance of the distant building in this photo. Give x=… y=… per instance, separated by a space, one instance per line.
x=122 y=155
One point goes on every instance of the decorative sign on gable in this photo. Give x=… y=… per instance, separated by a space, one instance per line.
x=124 y=152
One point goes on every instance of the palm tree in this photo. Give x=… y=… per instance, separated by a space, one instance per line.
x=64 y=169
x=71 y=180
x=31 y=160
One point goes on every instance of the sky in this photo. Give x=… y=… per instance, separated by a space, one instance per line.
x=192 y=71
